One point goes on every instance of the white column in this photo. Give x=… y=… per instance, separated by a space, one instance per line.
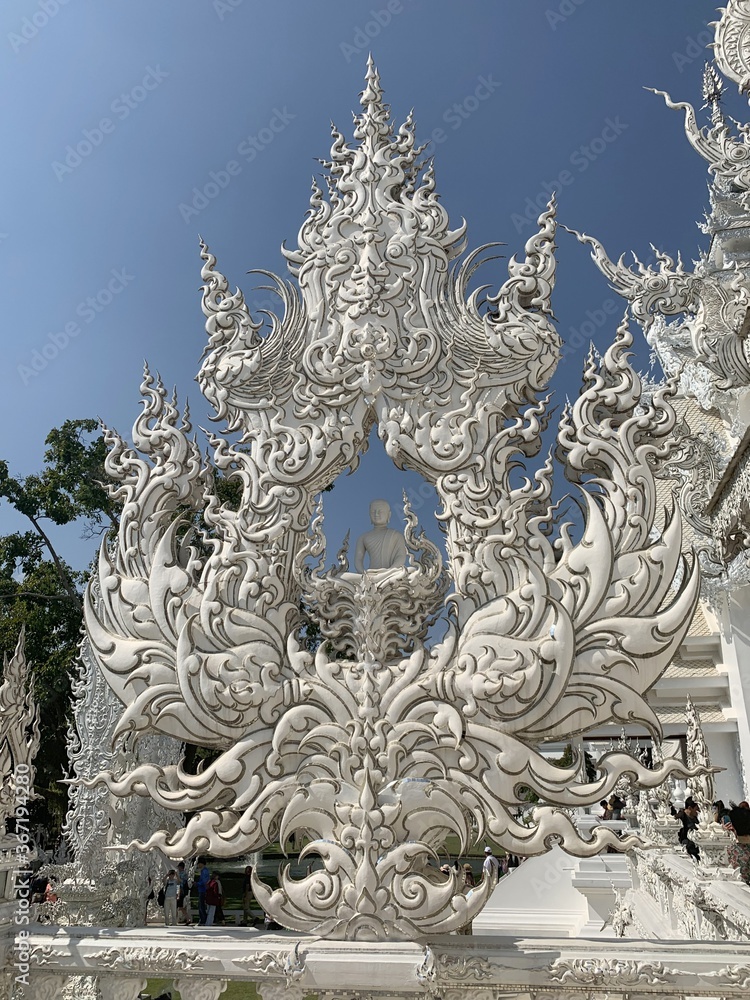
x=724 y=751
x=735 y=647
x=200 y=989
x=121 y=988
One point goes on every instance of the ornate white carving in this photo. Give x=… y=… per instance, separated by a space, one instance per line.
x=46 y=986
x=734 y=975
x=121 y=988
x=269 y=989
x=732 y=43
x=82 y=988
x=200 y=989
x=709 y=835
x=376 y=756
x=668 y=290
x=102 y=886
x=288 y=964
x=727 y=157
x=461 y=967
x=19 y=732
x=379 y=615
x=608 y=972
x=138 y=959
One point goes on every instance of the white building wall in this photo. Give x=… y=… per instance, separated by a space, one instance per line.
x=735 y=640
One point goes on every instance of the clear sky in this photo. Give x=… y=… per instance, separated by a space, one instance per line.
x=116 y=114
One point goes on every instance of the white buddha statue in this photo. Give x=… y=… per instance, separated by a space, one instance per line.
x=384 y=547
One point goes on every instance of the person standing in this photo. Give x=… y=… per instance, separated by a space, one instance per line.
x=171 y=887
x=183 y=894
x=689 y=819
x=203 y=879
x=491 y=866
x=213 y=897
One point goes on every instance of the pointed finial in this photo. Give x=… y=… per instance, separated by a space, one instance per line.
x=373 y=92
x=373 y=124
x=713 y=89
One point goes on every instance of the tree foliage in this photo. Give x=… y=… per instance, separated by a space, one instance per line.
x=39 y=589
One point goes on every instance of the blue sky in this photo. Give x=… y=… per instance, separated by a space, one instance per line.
x=115 y=113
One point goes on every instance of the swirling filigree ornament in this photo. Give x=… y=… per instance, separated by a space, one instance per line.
x=375 y=748
x=732 y=43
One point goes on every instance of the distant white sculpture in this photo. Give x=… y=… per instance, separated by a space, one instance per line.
x=383 y=546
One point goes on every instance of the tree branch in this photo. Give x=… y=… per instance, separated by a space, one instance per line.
x=62 y=573
x=41 y=597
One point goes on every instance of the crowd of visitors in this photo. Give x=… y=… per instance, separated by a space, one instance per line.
x=175 y=891
x=736 y=821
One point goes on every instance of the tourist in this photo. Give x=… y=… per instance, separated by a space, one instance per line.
x=39 y=885
x=148 y=895
x=491 y=866
x=214 y=896
x=469 y=884
x=183 y=895
x=737 y=822
x=606 y=811
x=689 y=819
x=720 y=811
x=203 y=880
x=171 y=888
x=616 y=805
x=247 y=896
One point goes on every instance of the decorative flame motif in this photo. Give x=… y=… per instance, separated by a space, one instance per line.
x=19 y=731
x=376 y=757
x=668 y=290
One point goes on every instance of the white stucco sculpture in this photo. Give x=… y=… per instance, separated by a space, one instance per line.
x=383 y=547
x=376 y=748
x=19 y=737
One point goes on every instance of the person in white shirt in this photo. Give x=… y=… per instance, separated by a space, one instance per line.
x=491 y=866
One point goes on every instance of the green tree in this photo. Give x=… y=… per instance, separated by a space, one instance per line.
x=39 y=589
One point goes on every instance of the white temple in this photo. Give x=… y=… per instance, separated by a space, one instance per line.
x=624 y=634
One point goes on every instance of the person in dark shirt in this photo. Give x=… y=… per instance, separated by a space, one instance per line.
x=689 y=819
x=201 y=885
